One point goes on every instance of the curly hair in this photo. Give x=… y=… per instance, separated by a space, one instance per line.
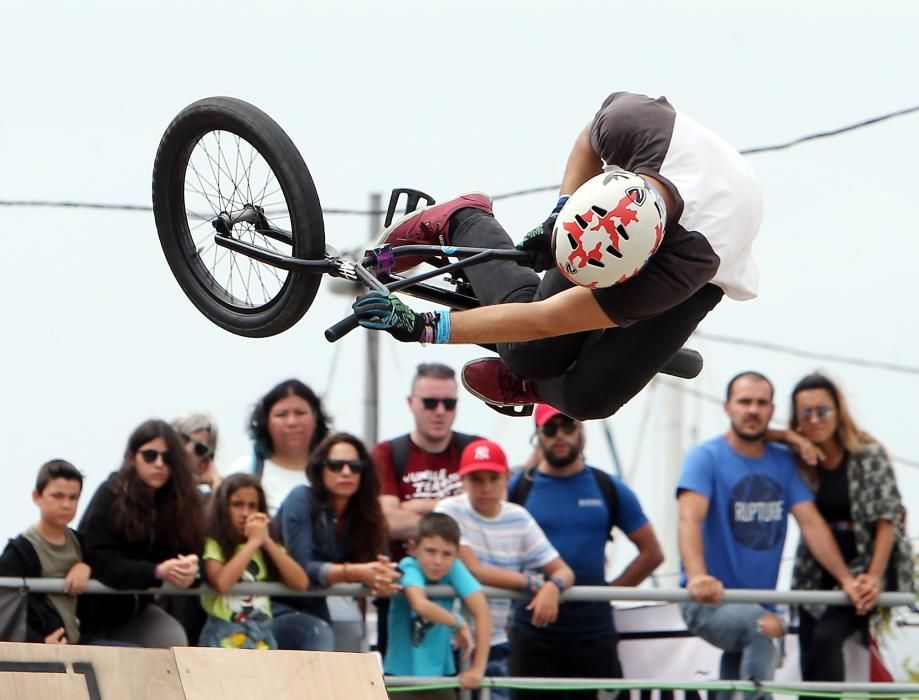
x=364 y=517
x=173 y=513
x=258 y=421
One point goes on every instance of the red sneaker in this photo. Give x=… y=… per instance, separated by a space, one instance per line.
x=428 y=226
x=489 y=379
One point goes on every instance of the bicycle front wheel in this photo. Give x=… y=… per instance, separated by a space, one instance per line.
x=225 y=168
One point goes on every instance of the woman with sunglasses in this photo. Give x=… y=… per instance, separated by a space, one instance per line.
x=857 y=495
x=142 y=528
x=286 y=425
x=198 y=432
x=334 y=527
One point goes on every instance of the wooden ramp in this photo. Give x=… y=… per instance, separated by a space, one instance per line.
x=37 y=671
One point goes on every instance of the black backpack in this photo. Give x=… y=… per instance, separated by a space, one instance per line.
x=605 y=483
x=400 y=446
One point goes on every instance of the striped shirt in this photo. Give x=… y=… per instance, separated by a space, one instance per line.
x=511 y=540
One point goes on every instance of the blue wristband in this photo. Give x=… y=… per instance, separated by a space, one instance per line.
x=561 y=203
x=442 y=330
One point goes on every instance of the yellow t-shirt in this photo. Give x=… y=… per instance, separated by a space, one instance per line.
x=237 y=608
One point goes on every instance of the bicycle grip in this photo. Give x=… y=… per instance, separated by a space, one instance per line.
x=341 y=329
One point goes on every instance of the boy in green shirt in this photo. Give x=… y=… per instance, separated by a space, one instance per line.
x=50 y=549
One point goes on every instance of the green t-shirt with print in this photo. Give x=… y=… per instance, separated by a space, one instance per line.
x=237 y=608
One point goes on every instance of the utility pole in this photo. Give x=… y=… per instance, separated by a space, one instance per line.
x=372 y=374
x=673 y=453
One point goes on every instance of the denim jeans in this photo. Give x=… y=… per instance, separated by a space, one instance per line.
x=748 y=654
x=497 y=668
x=301 y=631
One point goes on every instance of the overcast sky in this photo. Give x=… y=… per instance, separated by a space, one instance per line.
x=445 y=97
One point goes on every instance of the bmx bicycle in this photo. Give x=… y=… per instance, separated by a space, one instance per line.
x=241 y=226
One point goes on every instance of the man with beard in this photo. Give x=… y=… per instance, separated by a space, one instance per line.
x=735 y=493
x=577 y=507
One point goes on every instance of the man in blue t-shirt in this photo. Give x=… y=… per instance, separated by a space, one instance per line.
x=735 y=493
x=566 y=499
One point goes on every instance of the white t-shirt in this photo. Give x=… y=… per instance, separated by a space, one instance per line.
x=276 y=480
x=511 y=540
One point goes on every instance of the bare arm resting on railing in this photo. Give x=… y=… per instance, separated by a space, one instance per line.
x=703 y=587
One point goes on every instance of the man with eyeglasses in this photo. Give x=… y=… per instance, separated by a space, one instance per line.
x=577 y=506
x=420 y=468
x=735 y=493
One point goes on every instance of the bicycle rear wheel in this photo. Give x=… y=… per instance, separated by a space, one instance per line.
x=224 y=167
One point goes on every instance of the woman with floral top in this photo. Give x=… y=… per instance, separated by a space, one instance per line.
x=856 y=493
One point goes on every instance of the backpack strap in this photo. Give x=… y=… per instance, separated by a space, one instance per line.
x=522 y=487
x=463 y=439
x=258 y=464
x=399 y=448
x=610 y=496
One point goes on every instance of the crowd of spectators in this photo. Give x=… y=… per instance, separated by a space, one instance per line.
x=311 y=507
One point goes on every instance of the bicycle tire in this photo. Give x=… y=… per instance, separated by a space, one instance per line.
x=266 y=157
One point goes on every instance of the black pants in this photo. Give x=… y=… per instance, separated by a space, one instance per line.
x=586 y=375
x=569 y=658
x=821 y=640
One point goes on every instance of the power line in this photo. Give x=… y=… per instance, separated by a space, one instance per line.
x=834 y=132
x=505 y=195
x=787 y=349
x=757 y=149
x=719 y=400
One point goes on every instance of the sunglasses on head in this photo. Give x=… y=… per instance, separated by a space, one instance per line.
x=430 y=404
x=149 y=456
x=355 y=465
x=821 y=413
x=567 y=426
x=199 y=448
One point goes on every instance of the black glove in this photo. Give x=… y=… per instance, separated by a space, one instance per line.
x=538 y=241
x=382 y=311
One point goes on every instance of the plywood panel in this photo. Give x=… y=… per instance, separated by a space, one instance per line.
x=138 y=674
x=34 y=686
x=227 y=674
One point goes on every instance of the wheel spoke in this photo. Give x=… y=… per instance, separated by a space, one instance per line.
x=226 y=173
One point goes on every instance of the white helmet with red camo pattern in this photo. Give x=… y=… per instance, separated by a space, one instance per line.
x=608 y=229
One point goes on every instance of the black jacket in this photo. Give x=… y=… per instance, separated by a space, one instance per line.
x=118 y=562
x=21 y=560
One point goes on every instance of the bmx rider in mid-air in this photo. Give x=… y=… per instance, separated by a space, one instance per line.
x=592 y=333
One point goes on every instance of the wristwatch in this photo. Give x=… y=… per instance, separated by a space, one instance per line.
x=559 y=583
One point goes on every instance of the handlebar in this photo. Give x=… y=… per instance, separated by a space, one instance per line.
x=341 y=329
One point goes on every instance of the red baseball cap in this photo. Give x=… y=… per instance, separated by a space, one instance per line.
x=543 y=413
x=483 y=455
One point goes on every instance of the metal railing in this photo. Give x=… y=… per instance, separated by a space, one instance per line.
x=576 y=593
x=409 y=684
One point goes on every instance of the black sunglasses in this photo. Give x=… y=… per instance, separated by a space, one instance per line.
x=567 y=425
x=199 y=448
x=430 y=404
x=355 y=465
x=149 y=456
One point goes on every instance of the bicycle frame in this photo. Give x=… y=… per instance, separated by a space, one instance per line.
x=381 y=259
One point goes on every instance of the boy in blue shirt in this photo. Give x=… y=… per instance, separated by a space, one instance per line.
x=421 y=630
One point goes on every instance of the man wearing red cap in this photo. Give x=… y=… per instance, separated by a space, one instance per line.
x=577 y=507
x=501 y=544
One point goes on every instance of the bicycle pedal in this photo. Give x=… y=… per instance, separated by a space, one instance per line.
x=512 y=411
